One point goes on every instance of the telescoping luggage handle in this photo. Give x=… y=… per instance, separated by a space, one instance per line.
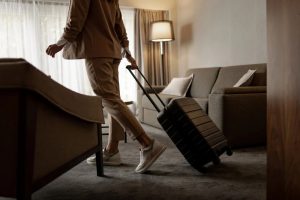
x=146 y=93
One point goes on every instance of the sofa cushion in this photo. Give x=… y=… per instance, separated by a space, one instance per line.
x=246 y=79
x=204 y=79
x=178 y=86
x=146 y=104
x=228 y=76
x=203 y=102
x=260 y=76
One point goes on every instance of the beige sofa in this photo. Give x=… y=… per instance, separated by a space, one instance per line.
x=239 y=112
x=46 y=129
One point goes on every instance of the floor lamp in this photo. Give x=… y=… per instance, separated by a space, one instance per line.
x=162 y=31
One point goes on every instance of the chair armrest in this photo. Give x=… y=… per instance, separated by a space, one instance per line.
x=21 y=74
x=157 y=89
x=241 y=90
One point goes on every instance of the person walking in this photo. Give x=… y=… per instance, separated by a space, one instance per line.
x=95 y=32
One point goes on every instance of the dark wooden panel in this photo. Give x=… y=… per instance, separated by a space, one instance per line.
x=283 y=99
x=9 y=107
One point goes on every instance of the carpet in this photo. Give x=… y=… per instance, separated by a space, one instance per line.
x=241 y=176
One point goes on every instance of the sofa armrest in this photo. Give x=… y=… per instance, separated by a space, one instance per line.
x=157 y=89
x=241 y=117
x=241 y=90
x=140 y=95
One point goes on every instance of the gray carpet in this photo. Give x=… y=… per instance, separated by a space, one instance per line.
x=239 y=177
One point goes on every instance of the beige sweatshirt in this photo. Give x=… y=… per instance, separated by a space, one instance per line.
x=94 y=29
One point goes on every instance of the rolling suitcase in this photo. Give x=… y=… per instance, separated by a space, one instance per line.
x=191 y=130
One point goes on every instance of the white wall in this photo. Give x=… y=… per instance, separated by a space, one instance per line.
x=220 y=33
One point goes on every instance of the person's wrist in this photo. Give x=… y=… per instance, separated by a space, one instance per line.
x=127 y=51
x=61 y=42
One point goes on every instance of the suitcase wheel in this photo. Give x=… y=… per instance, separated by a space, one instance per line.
x=229 y=151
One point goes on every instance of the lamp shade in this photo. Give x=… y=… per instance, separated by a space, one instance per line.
x=162 y=31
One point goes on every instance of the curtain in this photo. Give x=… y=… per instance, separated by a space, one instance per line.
x=128 y=86
x=26 y=30
x=28 y=27
x=148 y=53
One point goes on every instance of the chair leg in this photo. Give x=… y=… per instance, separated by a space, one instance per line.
x=99 y=155
x=24 y=197
x=125 y=137
x=99 y=163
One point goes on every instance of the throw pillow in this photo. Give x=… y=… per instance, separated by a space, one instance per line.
x=246 y=79
x=178 y=86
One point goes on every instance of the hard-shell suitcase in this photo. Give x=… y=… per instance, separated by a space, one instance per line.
x=191 y=130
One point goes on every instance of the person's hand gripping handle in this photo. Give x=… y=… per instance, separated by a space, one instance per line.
x=131 y=60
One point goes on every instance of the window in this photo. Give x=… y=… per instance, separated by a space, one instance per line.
x=128 y=86
x=28 y=27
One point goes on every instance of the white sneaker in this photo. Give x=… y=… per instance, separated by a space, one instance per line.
x=149 y=155
x=108 y=159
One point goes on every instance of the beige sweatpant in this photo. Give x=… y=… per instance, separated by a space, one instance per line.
x=104 y=78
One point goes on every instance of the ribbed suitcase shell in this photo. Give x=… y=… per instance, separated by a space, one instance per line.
x=193 y=132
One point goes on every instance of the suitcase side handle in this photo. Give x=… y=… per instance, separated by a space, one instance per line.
x=146 y=93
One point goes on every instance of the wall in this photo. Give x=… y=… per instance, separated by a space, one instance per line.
x=220 y=33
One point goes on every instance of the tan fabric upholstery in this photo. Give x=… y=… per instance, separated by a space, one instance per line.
x=228 y=76
x=241 y=90
x=203 y=102
x=43 y=123
x=241 y=117
x=203 y=81
x=21 y=74
x=165 y=98
x=150 y=117
x=239 y=112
